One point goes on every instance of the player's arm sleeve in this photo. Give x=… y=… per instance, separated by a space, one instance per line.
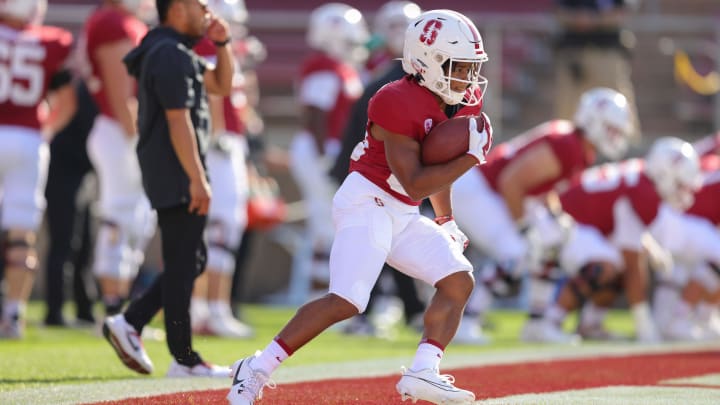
x=172 y=78
x=320 y=90
x=391 y=112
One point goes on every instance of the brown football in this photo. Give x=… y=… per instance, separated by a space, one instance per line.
x=447 y=140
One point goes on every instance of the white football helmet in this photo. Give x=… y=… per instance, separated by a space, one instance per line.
x=392 y=20
x=143 y=9
x=340 y=31
x=673 y=165
x=30 y=11
x=433 y=43
x=604 y=116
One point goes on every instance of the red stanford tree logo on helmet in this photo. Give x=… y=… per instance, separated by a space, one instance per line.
x=430 y=32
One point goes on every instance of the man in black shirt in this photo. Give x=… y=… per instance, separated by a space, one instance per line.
x=591 y=52
x=173 y=123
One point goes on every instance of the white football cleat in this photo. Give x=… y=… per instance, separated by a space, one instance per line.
x=228 y=327
x=127 y=344
x=428 y=385
x=542 y=331
x=248 y=383
x=203 y=369
x=470 y=333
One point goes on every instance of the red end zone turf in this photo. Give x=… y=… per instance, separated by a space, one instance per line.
x=486 y=382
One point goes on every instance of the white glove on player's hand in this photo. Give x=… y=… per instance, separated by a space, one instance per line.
x=480 y=140
x=455 y=233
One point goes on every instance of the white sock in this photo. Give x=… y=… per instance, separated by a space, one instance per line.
x=11 y=309
x=540 y=294
x=427 y=356
x=592 y=315
x=270 y=358
x=705 y=311
x=219 y=308
x=641 y=313
x=555 y=314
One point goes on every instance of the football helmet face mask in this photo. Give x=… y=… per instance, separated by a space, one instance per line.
x=30 y=11
x=604 y=115
x=434 y=43
x=673 y=165
x=392 y=20
x=340 y=31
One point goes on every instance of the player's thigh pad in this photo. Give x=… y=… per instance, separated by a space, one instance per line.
x=228 y=185
x=484 y=217
x=309 y=170
x=363 y=215
x=586 y=244
x=115 y=161
x=24 y=159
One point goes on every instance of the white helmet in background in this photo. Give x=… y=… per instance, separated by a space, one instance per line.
x=604 y=116
x=340 y=31
x=143 y=9
x=30 y=11
x=433 y=43
x=392 y=20
x=673 y=165
x=234 y=12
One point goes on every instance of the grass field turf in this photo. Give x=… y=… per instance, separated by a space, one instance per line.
x=74 y=365
x=59 y=356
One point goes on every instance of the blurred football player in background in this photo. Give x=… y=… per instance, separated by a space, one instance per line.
x=34 y=73
x=610 y=208
x=389 y=27
x=376 y=211
x=210 y=311
x=490 y=202
x=126 y=222
x=328 y=86
x=686 y=298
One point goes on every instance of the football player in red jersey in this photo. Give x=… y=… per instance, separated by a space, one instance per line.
x=686 y=298
x=376 y=210
x=708 y=145
x=613 y=207
x=210 y=311
x=490 y=201
x=32 y=70
x=328 y=86
x=126 y=220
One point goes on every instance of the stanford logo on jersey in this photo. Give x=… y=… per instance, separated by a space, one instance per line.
x=428 y=125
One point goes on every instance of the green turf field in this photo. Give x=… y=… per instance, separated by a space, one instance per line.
x=53 y=356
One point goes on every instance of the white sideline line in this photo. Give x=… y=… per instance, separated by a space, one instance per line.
x=141 y=387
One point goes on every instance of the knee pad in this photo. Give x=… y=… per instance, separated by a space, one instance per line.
x=114 y=257
x=18 y=250
x=221 y=247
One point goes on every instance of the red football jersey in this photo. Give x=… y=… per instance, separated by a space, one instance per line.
x=350 y=89
x=590 y=200
x=402 y=107
x=709 y=145
x=29 y=58
x=707 y=199
x=236 y=102
x=563 y=138
x=105 y=26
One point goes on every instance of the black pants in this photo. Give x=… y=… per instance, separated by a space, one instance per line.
x=184 y=255
x=69 y=238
